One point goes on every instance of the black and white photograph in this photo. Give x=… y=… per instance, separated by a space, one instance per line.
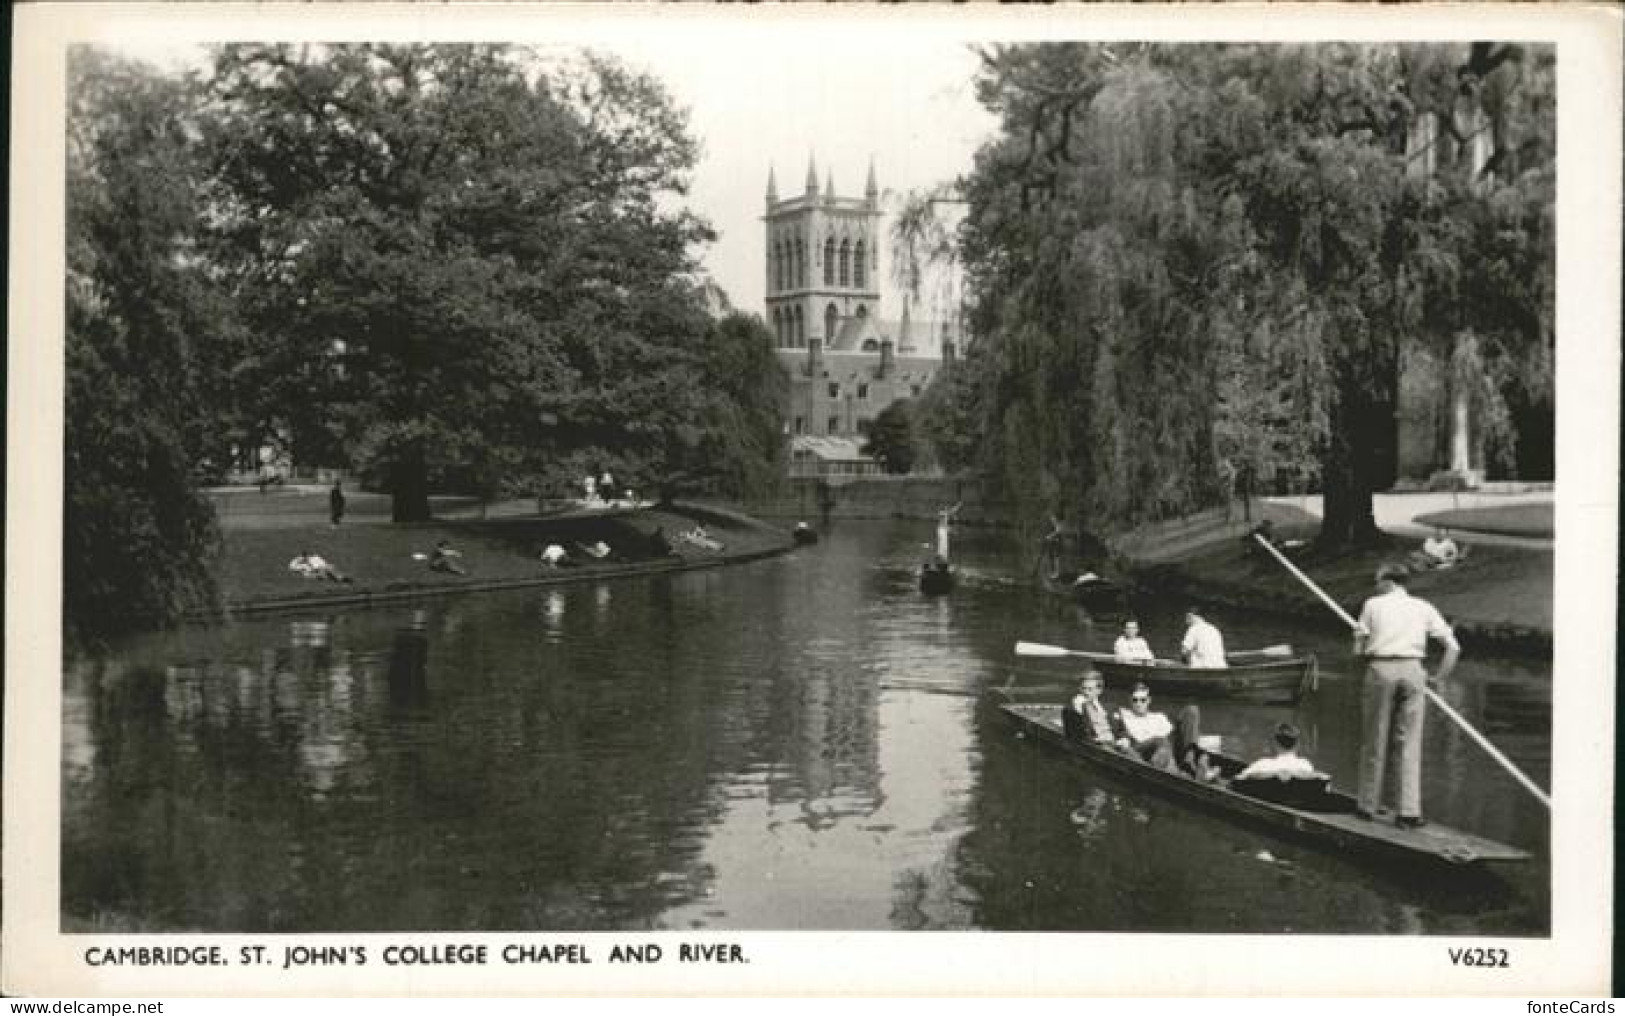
x=544 y=499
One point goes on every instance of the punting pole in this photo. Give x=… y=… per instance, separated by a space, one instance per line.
x=1433 y=696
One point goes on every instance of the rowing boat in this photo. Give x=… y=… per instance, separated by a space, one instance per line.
x=1332 y=823
x=1258 y=680
x=1095 y=594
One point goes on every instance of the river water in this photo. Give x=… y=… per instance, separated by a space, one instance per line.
x=798 y=743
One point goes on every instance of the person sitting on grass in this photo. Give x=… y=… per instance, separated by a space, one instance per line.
x=701 y=539
x=1285 y=763
x=312 y=565
x=445 y=559
x=1438 y=552
x=659 y=546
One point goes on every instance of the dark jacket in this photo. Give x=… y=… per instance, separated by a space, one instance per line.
x=1078 y=727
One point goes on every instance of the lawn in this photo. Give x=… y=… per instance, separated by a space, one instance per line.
x=1495 y=585
x=1505 y=520
x=254 y=562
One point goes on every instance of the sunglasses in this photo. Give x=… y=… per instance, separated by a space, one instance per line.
x=1142 y=698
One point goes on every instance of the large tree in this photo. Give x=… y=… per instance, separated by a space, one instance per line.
x=138 y=537
x=457 y=258
x=1193 y=267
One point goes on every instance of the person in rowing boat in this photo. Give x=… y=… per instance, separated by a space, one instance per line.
x=1393 y=635
x=1086 y=718
x=1203 y=646
x=1130 y=647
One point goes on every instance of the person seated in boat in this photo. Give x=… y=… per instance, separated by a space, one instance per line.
x=1085 y=718
x=444 y=559
x=1130 y=647
x=554 y=556
x=1145 y=734
x=1285 y=763
x=1202 y=646
x=1288 y=778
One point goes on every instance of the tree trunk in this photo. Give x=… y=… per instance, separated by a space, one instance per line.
x=409 y=488
x=1358 y=459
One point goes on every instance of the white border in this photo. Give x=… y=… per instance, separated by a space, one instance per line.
x=1575 y=960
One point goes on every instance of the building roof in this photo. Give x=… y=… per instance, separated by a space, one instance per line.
x=829 y=449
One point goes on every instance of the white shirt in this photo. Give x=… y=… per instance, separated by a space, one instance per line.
x=1142 y=728
x=1397 y=624
x=1204 y=646
x=553 y=554
x=1132 y=650
x=1278 y=765
x=1441 y=550
x=307 y=564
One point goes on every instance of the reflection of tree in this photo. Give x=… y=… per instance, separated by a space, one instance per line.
x=433 y=775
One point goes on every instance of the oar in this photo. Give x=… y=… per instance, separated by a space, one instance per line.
x=1040 y=649
x=1483 y=742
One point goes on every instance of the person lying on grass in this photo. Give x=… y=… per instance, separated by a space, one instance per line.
x=312 y=565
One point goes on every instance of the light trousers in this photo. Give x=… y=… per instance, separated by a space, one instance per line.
x=1395 y=704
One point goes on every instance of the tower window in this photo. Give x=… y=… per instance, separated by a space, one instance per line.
x=835 y=425
x=829 y=262
x=834 y=389
x=801 y=425
x=860 y=272
x=846 y=263
x=863 y=391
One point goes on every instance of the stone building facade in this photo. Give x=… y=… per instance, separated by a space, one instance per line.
x=846 y=362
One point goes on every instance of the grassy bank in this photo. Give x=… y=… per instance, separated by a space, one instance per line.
x=1534 y=520
x=379 y=558
x=1499 y=594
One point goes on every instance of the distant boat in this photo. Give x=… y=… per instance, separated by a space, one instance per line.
x=936 y=577
x=937 y=574
x=1065 y=570
x=804 y=534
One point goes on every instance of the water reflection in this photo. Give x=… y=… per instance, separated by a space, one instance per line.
x=797 y=743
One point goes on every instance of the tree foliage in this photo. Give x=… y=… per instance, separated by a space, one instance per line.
x=138 y=538
x=457 y=257
x=1192 y=267
x=891 y=440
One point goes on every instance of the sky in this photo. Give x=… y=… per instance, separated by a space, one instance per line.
x=770 y=93
x=776 y=100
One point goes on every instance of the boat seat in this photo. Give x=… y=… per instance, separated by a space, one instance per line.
x=1309 y=793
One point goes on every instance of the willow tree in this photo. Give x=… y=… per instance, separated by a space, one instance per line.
x=1195 y=265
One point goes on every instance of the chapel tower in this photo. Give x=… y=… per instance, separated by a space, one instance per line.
x=823 y=260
